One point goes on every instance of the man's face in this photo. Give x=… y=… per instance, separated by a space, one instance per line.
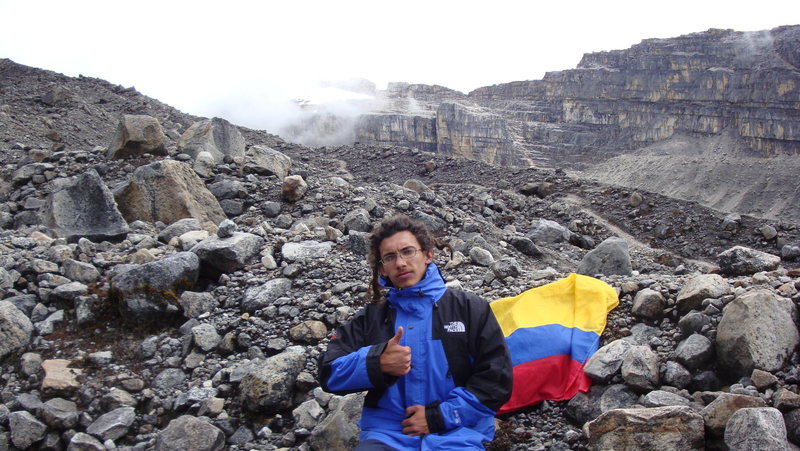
x=404 y=272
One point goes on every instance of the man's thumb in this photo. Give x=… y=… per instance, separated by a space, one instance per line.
x=396 y=339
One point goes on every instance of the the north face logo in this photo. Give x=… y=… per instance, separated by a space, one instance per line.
x=455 y=326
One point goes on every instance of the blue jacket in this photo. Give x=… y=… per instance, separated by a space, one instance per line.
x=461 y=370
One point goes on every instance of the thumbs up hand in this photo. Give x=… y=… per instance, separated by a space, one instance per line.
x=396 y=359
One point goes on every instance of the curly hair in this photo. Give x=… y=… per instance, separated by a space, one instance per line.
x=385 y=229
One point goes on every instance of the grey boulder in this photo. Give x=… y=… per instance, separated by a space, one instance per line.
x=611 y=257
x=188 y=432
x=15 y=329
x=83 y=207
x=149 y=292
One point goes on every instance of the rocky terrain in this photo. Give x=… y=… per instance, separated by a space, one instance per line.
x=726 y=100
x=169 y=281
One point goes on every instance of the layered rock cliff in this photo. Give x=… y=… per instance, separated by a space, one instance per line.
x=729 y=100
x=437 y=119
x=702 y=83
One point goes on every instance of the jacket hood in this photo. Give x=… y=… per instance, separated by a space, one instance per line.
x=426 y=292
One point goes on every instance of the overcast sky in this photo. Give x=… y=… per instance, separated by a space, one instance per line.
x=222 y=58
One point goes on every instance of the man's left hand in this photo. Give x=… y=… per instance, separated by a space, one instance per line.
x=415 y=423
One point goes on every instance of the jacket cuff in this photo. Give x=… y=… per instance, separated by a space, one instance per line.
x=433 y=415
x=376 y=376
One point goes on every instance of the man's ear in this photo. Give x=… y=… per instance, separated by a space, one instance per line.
x=381 y=271
x=429 y=256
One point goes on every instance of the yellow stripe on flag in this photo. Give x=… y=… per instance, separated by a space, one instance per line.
x=576 y=301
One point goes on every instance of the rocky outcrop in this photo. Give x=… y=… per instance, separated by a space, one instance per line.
x=397 y=129
x=455 y=129
x=473 y=133
x=673 y=427
x=698 y=83
x=167 y=191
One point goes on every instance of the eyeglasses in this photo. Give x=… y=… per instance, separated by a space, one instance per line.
x=406 y=252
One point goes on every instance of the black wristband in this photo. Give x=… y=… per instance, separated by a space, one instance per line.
x=434 y=417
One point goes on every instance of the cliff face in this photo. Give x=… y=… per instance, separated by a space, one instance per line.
x=701 y=83
x=437 y=119
x=397 y=129
x=723 y=100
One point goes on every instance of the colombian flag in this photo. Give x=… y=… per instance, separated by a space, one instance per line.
x=551 y=332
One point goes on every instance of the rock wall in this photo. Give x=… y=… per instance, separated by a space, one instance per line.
x=455 y=129
x=472 y=133
x=397 y=129
x=701 y=83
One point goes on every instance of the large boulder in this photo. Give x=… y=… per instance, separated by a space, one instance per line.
x=59 y=378
x=607 y=361
x=305 y=250
x=545 y=231
x=308 y=414
x=717 y=413
x=84 y=442
x=188 y=432
x=741 y=261
x=694 y=352
x=137 y=135
x=293 y=188
x=216 y=136
x=757 y=330
x=701 y=287
x=673 y=427
x=269 y=387
x=261 y=296
x=267 y=161
x=611 y=257
x=178 y=228
x=15 y=329
x=167 y=191
x=60 y=413
x=640 y=368
x=150 y=292
x=25 y=429
x=339 y=430
x=357 y=220
x=756 y=428
x=83 y=206
x=112 y=425
x=225 y=255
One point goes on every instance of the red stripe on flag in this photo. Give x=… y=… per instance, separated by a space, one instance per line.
x=555 y=378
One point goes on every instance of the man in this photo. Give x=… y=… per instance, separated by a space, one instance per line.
x=433 y=359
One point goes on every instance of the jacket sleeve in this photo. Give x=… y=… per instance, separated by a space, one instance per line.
x=489 y=385
x=351 y=364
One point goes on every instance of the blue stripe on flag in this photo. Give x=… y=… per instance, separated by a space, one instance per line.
x=533 y=343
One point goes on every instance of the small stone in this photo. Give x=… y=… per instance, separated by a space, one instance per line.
x=60 y=413
x=59 y=379
x=30 y=364
x=112 y=425
x=25 y=429
x=763 y=379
